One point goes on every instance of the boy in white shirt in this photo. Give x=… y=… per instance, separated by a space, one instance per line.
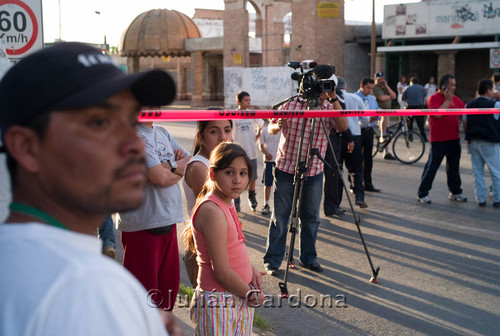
x=246 y=132
x=269 y=147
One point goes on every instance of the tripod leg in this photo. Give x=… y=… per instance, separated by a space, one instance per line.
x=356 y=217
x=300 y=177
x=282 y=285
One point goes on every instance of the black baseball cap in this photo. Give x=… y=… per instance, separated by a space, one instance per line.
x=72 y=75
x=379 y=74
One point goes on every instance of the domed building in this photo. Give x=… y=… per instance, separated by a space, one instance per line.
x=158 y=32
x=158 y=38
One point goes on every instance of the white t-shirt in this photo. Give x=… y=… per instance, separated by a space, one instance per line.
x=244 y=134
x=188 y=192
x=162 y=206
x=57 y=282
x=431 y=89
x=271 y=141
x=401 y=87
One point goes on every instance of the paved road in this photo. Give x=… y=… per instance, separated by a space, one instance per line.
x=440 y=263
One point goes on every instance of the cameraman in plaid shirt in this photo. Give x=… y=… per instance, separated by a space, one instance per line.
x=313 y=186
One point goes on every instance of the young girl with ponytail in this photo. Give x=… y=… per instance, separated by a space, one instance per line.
x=228 y=286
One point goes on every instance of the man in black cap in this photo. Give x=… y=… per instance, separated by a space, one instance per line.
x=68 y=123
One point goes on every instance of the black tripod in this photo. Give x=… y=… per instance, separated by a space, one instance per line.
x=301 y=169
x=357 y=219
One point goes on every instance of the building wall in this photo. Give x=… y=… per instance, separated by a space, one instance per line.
x=471 y=66
x=210 y=27
x=315 y=37
x=356 y=64
x=267 y=86
x=422 y=65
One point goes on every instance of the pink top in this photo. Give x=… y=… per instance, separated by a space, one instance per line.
x=236 y=249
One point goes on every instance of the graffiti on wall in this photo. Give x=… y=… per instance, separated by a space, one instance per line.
x=489 y=12
x=441 y=18
x=266 y=86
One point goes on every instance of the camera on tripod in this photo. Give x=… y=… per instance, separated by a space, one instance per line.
x=314 y=79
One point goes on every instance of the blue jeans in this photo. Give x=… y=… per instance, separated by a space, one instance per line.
x=439 y=149
x=481 y=153
x=309 y=218
x=107 y=233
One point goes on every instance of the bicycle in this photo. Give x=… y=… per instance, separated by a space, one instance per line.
x=408 y=145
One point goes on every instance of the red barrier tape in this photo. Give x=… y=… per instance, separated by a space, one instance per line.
x=186 y=115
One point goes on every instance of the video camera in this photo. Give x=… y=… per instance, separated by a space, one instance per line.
x=314 y=79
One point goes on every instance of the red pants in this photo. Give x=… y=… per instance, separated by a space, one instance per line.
x=154 y=261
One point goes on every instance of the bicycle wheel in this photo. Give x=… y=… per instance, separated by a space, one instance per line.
x=408 y=147
x=376 y=140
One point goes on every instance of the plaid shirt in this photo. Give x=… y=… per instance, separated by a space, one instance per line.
x=286 y=158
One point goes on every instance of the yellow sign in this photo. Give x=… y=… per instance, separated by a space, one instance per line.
x=165 y=58
x=327 y=10
x=237 y=59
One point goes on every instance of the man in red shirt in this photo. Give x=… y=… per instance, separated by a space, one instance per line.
x=445 y=141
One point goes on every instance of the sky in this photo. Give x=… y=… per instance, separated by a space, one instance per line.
x=90 y=20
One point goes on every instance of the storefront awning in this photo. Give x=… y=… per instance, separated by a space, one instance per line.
x=439 y=47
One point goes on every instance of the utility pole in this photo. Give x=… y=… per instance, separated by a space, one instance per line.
x=59 y=4
x=373 y=42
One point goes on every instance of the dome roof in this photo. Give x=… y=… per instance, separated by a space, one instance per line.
x=158 y=32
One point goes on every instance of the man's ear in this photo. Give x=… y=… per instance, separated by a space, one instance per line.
x=23 y=144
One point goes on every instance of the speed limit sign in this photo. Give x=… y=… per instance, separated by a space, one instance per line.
x=495 y=58
x=20 y=26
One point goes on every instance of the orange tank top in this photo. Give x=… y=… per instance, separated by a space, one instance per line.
x=236 y=249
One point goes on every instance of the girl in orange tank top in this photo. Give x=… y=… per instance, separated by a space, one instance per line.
x=228 y=286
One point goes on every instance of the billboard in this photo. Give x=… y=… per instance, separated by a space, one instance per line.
x=441 y=19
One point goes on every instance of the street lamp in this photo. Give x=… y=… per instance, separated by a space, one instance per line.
x=105 y=42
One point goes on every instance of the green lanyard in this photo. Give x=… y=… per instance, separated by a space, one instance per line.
x=34 y=212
